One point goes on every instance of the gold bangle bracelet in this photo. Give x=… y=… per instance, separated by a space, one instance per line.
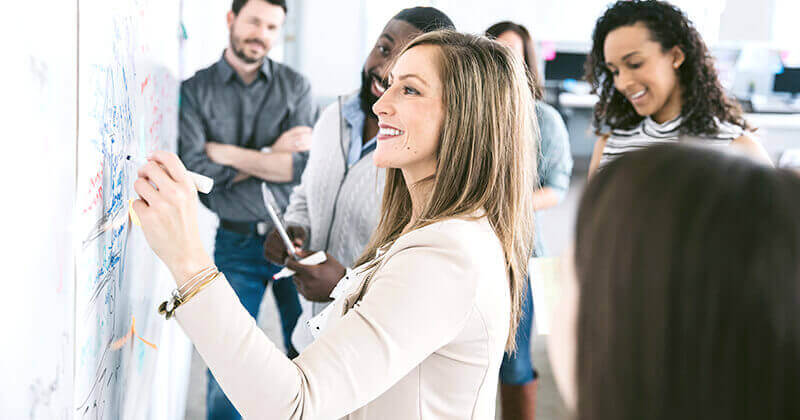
x=195 y=280
x=168 y=307
x=200 y=288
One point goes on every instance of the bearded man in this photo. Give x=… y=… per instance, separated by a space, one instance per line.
x=246 y=120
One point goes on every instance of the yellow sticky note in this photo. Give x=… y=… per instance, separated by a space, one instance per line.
x=132 y=214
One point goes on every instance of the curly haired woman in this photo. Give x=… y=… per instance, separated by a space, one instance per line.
x=657 y=84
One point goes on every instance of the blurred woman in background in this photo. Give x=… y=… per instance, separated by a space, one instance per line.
x=554 y=165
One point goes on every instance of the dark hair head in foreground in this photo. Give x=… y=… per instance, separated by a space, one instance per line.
x=688 y=265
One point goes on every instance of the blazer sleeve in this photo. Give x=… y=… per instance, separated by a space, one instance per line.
x=416 y=303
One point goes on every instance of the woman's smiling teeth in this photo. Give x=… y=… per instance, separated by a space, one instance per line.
x=389 y=132
x=637 y=95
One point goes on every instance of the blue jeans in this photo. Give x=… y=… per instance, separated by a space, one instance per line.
x=517 y=368
x=241 y=259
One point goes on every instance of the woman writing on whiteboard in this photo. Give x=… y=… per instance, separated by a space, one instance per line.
x=434 y=302
x=657 y=84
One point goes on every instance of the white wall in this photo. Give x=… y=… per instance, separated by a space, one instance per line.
x=747 y=20
x=330 y=41
x=207 y=35
x=785 y=28
x=547 y=20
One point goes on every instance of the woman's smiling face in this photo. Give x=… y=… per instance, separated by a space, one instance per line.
x=410 y=114
x=644 y=73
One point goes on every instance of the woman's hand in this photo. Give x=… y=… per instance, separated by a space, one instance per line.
x=167 y=210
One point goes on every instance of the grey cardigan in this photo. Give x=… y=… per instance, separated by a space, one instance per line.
x=338 y=206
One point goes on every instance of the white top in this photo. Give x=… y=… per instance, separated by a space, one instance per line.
x=649 y=133
x=425 y=340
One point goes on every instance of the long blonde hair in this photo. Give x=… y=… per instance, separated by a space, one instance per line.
x=485 y=158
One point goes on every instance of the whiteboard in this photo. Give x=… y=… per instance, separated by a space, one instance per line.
x=89 y=83
x=128 y=98
x=38 y=166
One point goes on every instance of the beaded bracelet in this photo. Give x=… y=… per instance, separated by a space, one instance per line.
x=181 y=295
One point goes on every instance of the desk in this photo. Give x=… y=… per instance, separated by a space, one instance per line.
x=774 y=121
x=577 y=100
x=777 y=132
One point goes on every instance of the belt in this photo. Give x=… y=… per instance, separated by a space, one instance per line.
x=245 y=228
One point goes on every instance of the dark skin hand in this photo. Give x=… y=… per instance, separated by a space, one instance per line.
x=274 y=249
x=316 y=282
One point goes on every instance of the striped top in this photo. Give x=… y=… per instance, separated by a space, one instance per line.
x=649 y=133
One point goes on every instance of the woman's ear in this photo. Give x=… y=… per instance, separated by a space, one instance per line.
x=678 y=57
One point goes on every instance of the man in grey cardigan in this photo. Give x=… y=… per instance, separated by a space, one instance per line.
x=337 y=204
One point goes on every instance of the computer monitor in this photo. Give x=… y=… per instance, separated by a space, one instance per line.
x=565 y=65
x=787 y=81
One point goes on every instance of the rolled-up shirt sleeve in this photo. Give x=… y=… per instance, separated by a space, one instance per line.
x=192 y=142
x=299 y=160
x=419 y=301
x=304 y=113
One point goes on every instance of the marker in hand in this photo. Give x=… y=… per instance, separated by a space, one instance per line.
x=203 y=183
x=277 y=222
x=318 y=257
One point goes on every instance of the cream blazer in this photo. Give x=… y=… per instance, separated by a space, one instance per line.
x=422 y=340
